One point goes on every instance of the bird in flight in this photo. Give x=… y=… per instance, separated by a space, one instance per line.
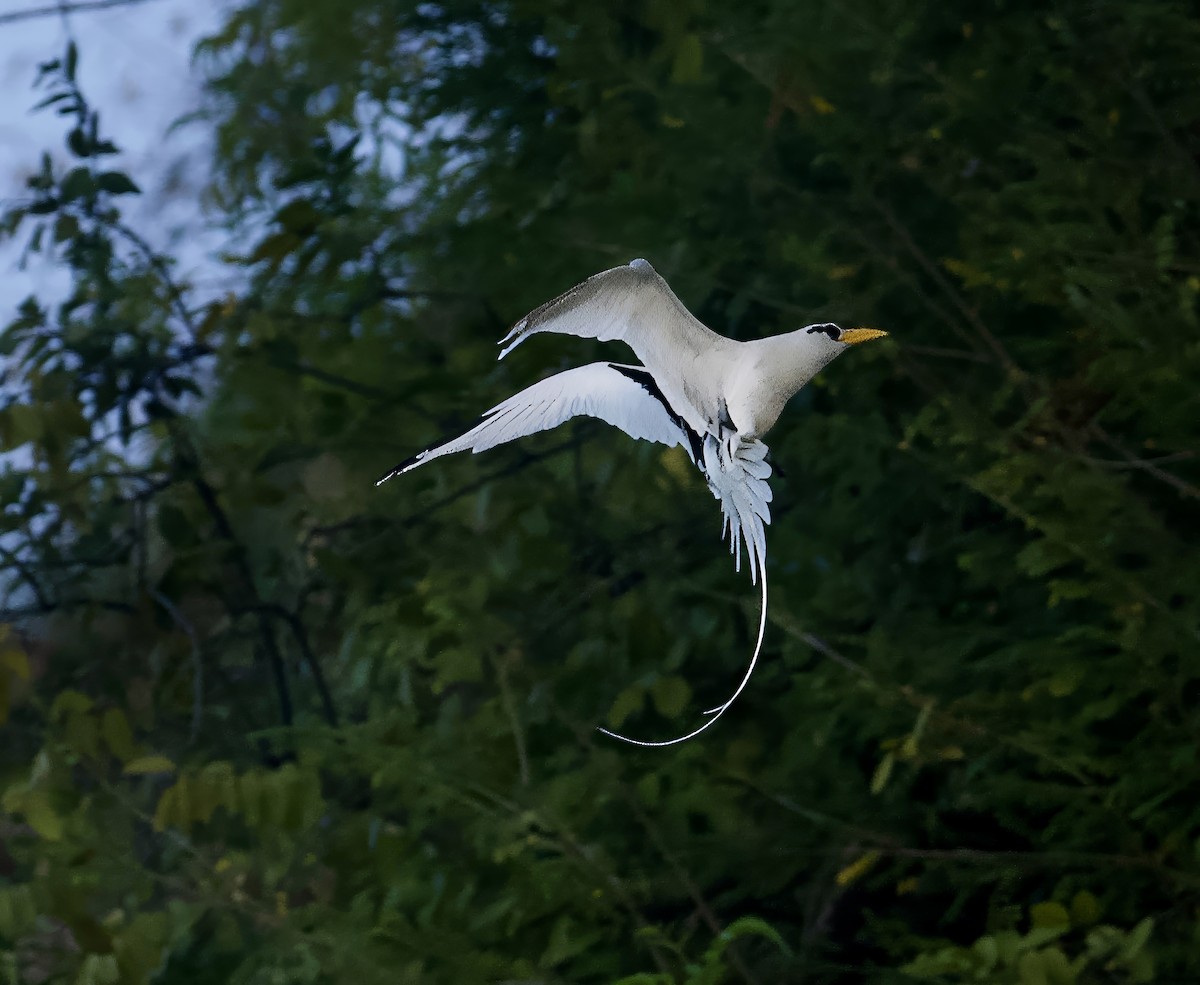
x=710 y=395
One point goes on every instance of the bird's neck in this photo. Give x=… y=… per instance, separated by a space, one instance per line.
x=795 y=358
x=779 y=367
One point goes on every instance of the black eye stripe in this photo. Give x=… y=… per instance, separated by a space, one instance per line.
x=829 y=328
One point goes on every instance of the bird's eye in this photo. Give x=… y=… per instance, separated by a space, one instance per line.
x=829 y=328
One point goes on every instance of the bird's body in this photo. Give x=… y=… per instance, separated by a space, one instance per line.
x=714 y=396
x=704 y=376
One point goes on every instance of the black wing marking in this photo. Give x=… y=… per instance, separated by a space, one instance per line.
x=645 y=379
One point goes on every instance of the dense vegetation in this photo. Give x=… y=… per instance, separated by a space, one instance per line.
x=265 y=723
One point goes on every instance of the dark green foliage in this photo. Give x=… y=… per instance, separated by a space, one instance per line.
x=266 y=722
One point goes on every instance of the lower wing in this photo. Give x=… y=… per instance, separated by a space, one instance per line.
x=606 y=391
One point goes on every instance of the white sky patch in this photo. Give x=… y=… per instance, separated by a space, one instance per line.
x=135 y=68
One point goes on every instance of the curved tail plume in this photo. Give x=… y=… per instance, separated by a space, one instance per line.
x=719 y=710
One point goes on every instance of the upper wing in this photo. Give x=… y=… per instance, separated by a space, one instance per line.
x=613 y=393
x=632 y=303
x=738 y=478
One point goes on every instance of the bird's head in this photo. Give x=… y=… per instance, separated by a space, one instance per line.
x=784 y=363
x=845 y=336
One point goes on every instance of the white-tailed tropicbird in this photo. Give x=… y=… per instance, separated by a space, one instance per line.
x=713 y=396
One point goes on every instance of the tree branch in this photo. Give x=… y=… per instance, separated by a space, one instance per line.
x=308 y=656
x=66 y=8
x=208 y=497
x=27 y=575
x=197 y=663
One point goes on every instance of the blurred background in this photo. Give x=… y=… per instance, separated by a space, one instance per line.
x=262 y=722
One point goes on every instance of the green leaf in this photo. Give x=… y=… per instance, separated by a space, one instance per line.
x=567 y=939
x=116 y=183
x=16 y=661
x=1058 y=969
x=78 y=183
x=41 y=816
x=689 y=60
x=18 y=912
x=754 y=927
x=115 y=730
x=882 y=773
x=20 y=424
x=1085 y=909
x=1049 y=915
x=54 y=97
x=670 y=696
x=298 y=216
x=99 y=969
x=175 y=526
x=1031 y=969
x=79 y=143
x=275 y=247
x=631 y=700
x=153 y=763
x=69 y=703
x=1137 y=939
x=987 y=951
x=858 y=868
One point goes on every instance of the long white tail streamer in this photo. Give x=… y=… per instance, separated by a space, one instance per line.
x=720 y=710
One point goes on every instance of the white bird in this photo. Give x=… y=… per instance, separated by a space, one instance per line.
x=713 y=396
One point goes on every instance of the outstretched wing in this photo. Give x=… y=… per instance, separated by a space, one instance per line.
x=631 y=303
x=608 y=391
x=738 y=478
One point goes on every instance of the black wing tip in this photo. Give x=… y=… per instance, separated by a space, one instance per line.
x=404 y=466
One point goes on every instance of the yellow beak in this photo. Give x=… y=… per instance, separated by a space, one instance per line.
x=853 y=336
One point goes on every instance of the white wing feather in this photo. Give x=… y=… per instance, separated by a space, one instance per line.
x=596 y=390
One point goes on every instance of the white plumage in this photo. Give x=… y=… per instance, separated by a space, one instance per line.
x=597 y=390
x=694 y=388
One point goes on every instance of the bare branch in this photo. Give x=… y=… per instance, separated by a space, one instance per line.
x=208 y=496
x=66 y=8
x=197 y=662
x=30 y=579
x=306 y=654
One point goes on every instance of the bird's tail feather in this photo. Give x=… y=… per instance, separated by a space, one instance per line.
x=739 y=481
x=720 y=709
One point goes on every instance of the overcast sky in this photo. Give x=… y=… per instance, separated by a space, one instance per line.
x=135 y=67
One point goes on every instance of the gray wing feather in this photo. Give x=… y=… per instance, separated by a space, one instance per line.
x=629 y=303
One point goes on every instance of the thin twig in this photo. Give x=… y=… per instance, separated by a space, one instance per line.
x=66 y=8
x=208 y=497
x=197 y=662
x=27 y=574
x=162 y=268
x=689 y=884
x=510 y=709
x=308 y=656
x=1180 y=485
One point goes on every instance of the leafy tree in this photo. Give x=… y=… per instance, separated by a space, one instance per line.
x=265 y=722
